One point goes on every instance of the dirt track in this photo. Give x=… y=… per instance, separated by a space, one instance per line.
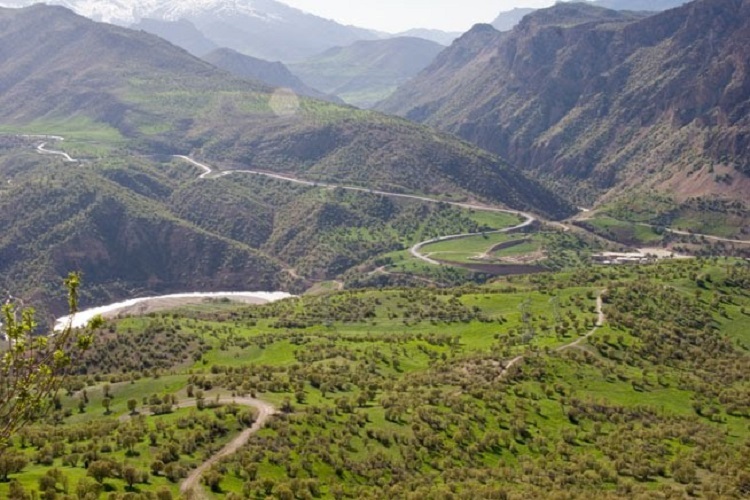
x=190 y=487
x=601 y=319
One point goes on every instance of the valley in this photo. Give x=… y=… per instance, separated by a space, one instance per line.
x=252 y=252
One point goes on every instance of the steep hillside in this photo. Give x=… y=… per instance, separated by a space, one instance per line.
x=261 y=28
x=111 y=220
x=274 y=74
x=598 y=101
x=367 y=71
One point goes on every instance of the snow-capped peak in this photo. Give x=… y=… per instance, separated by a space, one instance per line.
x=131 y=11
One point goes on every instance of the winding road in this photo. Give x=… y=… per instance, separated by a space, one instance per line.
x=42 y=148
x=415 y=250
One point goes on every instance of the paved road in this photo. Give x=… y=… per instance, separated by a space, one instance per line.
x=530 y=219
x=706 y=236
x=415 y=250
x=42 y=148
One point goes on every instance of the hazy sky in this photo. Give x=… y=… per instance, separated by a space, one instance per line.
x=399 y=15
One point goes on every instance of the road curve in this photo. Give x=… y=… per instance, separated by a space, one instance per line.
x=415 y=250
x=42 y=148
x=530 y=219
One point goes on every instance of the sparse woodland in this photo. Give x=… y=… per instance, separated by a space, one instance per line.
x=409 y=393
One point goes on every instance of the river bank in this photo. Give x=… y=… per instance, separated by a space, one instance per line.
x=146 y=305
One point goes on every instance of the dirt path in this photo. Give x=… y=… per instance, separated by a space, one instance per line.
x=601 y=319
x=190 y=487
x=599 y=323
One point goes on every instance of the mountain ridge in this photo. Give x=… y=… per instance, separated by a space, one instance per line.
x=527 y=96
x=266 y=29
x=507 y=20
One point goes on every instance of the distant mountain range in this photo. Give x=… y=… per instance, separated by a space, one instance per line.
x=600 y=101
x=182 y=33
x=367 y=72
x=261 y=28
x=332 y=59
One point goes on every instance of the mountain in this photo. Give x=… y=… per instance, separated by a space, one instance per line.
x=136 y=221
x=640 y=5
x=159 y=99
x=367 y=71
x=438 y=36
x=274 y=74
x=598 y=100
x=112 y=222
x=266 y=29
x=507 y=20
x=182 y=33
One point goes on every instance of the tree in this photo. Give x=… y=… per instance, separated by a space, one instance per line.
x=86 y=489
x=212 y=479
x=132 y=405
x=100 y=470
x=33 y=367
x=131 y=475
x=11 y=462
x=17 y=491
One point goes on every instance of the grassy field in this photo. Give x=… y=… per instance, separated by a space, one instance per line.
x=468 y=250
